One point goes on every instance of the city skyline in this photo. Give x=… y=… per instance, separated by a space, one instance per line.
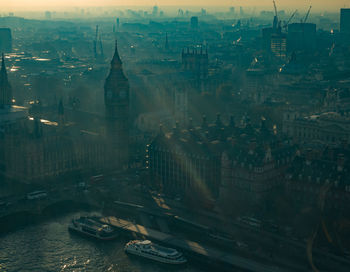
x=39 y=4
x=219 y=130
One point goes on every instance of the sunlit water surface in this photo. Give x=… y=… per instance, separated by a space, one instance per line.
x=49 y=246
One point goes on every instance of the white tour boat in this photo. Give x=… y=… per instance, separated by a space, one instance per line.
x=155 y=252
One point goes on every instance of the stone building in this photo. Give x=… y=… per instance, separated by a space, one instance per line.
x=324 y=128
x=224 y=161
x=195 y=63
x=320 y=179
x=188 y=161
x=44 y=149
x=49 y=143
x=253 y=166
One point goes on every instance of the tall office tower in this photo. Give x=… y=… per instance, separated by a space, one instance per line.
x=5 y=87
x=345 y=20
x=194 y=22
x=155 y=11
x=5 y=40
x=279 y=45
x=116 y=95
x=241 y=11
x=301 y=37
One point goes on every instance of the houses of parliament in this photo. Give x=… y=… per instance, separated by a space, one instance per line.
x=39 y=144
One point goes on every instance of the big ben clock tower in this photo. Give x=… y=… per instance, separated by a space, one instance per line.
x=116 y=92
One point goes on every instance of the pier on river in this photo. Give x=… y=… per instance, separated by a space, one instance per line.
x=190 y=248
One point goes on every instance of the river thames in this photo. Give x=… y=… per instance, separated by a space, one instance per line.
x=49 y=246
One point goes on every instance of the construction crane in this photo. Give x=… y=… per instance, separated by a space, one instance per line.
x=95 y=42
x=307 y=15
x=275 y=19
x=290 y=19
x=101 y=47
x=275 y=7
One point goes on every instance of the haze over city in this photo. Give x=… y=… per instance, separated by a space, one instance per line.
x=42 y=4
x=174 y=136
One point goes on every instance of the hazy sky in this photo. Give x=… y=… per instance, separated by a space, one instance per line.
x=29 y=4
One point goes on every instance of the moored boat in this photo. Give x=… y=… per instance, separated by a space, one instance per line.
x=92 y=227
x=155 y=252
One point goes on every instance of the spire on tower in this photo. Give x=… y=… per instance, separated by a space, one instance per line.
x=95 y=43
x=116 y=84
x=116 y=59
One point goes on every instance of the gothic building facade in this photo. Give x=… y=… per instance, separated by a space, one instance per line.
x=187 y=162
x=224 y=162
x=195 y=63
x=40 y=145
x=253 y=167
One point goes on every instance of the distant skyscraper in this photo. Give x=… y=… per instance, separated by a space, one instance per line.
x=117 y=23
x=155 y=11
x=194 y=22
x=5 y=87
x=345 y=20
x=116 y=94
x=279 y=45
x=301 y=37
x=5 y=40
x=47 y=15
x=241 y=11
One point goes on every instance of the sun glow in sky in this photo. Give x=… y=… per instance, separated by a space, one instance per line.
x=27 y=4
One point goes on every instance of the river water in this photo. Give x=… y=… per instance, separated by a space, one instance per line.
x=49 y=246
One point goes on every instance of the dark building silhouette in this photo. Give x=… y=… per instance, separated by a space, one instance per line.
x=5 y=40
x=266 y=35
x=5 y=87
x=194 y=22
x=196 y=63
x=316 y=177
x=188 y=161
x=220 y=161
x=345 y=20
x=68 y=141
x=253 y=165
x=301 y=37
x=279 y=45
x=274 y=41
x=116 y=94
